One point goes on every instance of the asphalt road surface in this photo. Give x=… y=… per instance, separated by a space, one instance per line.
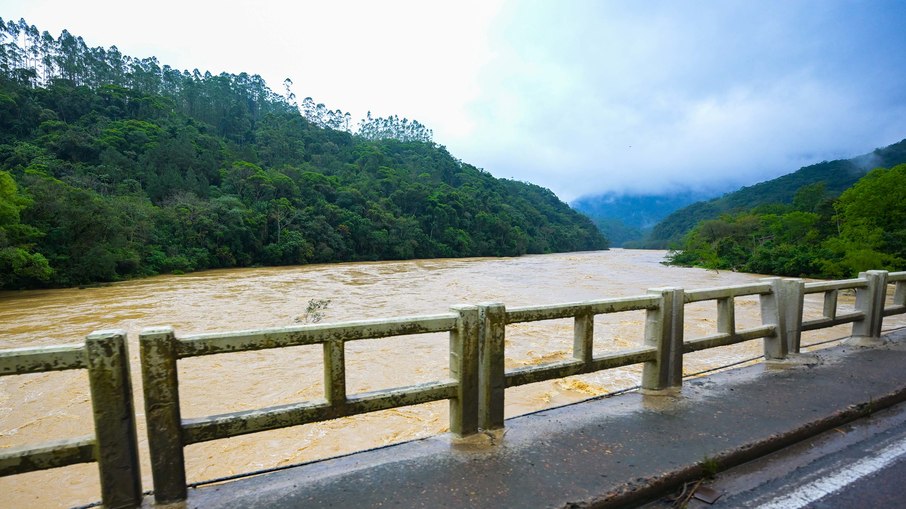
x=861 y=465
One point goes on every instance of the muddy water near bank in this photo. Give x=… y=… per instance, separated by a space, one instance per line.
x=36 y=408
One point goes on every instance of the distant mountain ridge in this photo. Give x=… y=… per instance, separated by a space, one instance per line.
x=637 y=210
x=628 y=217
x=838 y=175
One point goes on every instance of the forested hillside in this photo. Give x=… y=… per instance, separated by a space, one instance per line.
x=836 y=176
x=113 y=167
x=817 y=235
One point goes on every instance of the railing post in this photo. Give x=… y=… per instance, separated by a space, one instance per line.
x=114 y=419
x=464 y=368
x=492 y=374
x=664 y=330
x=726 y=315
x=793 y=302
x=782 y=308
x=583 y=337
x=830 y=304
x=161 y=387
x=335 y=372
x=870 y=301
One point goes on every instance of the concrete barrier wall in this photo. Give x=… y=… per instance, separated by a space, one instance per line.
x=476 y=385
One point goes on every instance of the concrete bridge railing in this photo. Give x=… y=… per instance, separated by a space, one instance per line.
x=475 y=386
x=664 y=345
x=168 y=434
x=114 y=445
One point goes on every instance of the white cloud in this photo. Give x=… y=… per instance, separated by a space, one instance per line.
x=587 y=97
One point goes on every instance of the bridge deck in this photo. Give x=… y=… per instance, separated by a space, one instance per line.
x=604 y=452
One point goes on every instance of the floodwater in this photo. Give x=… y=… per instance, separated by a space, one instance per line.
x=43 y=407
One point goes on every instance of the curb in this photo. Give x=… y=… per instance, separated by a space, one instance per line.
x=645 y=490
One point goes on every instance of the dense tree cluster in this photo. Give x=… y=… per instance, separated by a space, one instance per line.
x=392 y=127
x=865 y=228
x=113 y=167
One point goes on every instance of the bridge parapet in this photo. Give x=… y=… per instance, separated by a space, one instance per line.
x=114 y=444
x=168 y=433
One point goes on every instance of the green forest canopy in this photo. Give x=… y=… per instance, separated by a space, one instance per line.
x=817 y=235
x=113 y=167
x=836 y=177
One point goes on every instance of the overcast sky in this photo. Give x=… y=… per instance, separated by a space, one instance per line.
x=581 y=97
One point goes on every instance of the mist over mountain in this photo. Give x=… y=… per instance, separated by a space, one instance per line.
x=659 y=220
x=629 y=217
x=836 y=176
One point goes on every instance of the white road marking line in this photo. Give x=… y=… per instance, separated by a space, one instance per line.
x=820 y=488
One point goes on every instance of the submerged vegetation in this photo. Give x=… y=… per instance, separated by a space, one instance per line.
x=114 y=167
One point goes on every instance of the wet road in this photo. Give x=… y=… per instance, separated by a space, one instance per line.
x=862 y=464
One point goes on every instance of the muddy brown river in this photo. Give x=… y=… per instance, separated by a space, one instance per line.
x=42 y=407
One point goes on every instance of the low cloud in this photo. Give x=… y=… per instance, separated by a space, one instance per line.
x=589 y=97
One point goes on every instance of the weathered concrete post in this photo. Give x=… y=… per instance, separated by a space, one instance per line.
x=161 y=387
x=492 y=375
x=870 y=301
x=793 y=302
x=780 y=309
x=664 y=330
x=116 y=444
x=464 y=368
x=830 y=304
x=726 y=315
x=583 y=337
x=335 y=372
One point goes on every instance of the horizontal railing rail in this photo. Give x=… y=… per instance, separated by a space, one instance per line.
x=161 y=349
x=114 y=444
x=21 y=361
x=244 y=341
x=727 y=292
x=475 y=385
x=728 y=338
x=571 y=310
